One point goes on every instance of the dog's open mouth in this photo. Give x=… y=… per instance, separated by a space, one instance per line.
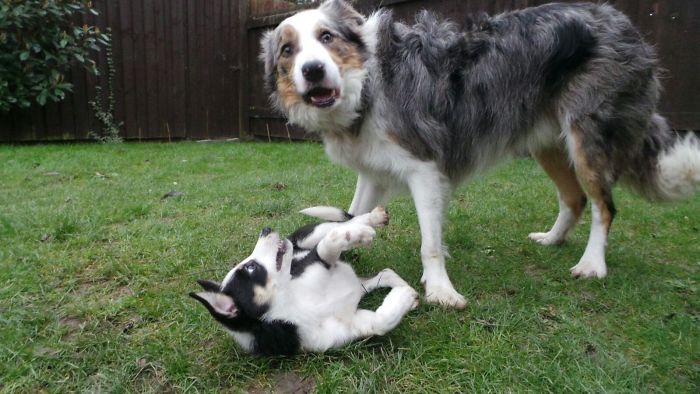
x=321 y=97
x=281 y=250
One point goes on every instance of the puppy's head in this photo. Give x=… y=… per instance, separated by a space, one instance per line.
x=310 y=58
x=250 y=287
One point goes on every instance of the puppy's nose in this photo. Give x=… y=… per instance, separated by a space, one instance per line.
x=313 y=71
x=265 y=232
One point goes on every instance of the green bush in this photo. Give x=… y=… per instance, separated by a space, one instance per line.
x=39 y=41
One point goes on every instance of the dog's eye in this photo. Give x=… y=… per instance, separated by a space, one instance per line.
x=250 y=267
x=286 y=50
x=326 y=37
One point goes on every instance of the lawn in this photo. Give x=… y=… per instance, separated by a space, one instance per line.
x=95 y=268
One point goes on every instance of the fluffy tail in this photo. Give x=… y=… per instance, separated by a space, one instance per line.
x=328 y=214
x=675 y=171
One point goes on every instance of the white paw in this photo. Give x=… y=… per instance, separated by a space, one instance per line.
x=378 y=217
x=351 y=235
x=445 y=296
x=589 y=268
x=409 y=297
x=546 y=238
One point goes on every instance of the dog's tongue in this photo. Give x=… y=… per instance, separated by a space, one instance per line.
x=322 y=95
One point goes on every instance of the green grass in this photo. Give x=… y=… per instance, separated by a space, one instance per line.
x=95 y=269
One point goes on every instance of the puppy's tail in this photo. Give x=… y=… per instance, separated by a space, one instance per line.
x=328 y=214
x=672 y=164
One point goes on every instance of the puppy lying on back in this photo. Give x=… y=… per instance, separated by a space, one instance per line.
x=295 y=295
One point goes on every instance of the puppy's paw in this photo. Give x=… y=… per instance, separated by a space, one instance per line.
x=379 y=217
x=352 y=235
x=414 y=299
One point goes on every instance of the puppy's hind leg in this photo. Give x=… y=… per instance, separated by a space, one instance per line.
x=385 y=278
x=365 y=323
x=397 y=303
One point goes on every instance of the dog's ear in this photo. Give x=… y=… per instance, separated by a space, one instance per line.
x=208 y=285
x=268 y=57
x=341 y=10
x=218 y=304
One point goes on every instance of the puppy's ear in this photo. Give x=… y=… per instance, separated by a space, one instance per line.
x=268 y=57
x=208 y=285
x=341 y=10
x=219 y=305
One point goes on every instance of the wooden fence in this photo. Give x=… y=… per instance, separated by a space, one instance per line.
x=177 y=75
x=189 y=68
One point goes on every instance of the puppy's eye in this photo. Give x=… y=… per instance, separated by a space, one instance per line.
x=326 y=37
x=287 y=50
x=250 y=267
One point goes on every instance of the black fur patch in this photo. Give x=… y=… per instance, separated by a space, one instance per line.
x=275 y=338
x=574 y=46
x=301 y=234
x=300 y=265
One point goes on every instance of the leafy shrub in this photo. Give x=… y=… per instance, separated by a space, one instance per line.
x=39 y=41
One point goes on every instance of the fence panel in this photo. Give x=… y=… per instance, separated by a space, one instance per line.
x=190 y=69
x=177 y=69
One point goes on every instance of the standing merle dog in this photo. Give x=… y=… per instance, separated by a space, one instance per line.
x=427 y=106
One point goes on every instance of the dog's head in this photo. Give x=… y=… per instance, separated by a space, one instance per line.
x=250 y=287
x=314 y=62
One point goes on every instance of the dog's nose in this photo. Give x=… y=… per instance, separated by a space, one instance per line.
x=313 y=71
x=265 y=232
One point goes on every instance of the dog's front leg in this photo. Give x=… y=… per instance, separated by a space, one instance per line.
x=368 y=194
x=430 y=189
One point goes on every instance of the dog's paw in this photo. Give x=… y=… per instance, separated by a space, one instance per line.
x=445 y=296
x=378 y=217
x=546 y=238
x=589 y=268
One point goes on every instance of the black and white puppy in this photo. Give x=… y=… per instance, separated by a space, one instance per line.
x=296 y=295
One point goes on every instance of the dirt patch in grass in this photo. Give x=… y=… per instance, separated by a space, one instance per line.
x=72 y=325
x=288 y=382
x=151 y=378
x=534 y=271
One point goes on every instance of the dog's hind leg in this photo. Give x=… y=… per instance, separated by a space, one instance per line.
x=572 y=199
x=594 y=171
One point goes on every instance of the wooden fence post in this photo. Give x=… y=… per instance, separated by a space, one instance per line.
x=243 y=77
